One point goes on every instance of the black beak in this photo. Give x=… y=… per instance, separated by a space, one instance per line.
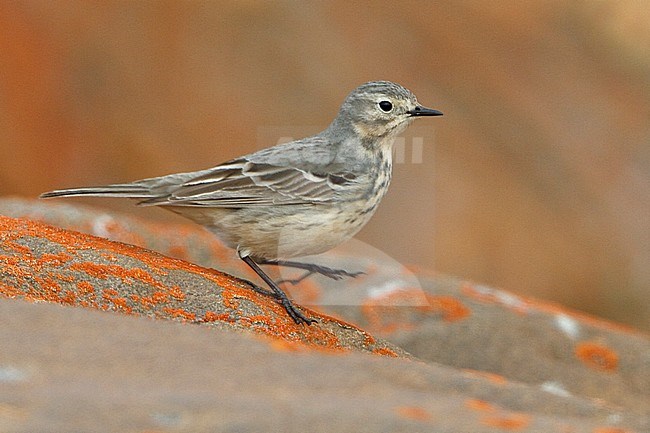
x=423 y=111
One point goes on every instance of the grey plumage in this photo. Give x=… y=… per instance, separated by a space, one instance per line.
x=294 y=199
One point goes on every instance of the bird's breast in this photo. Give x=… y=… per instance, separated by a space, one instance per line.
x=380 y=178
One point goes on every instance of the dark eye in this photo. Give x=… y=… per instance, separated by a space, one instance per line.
x=385 y=106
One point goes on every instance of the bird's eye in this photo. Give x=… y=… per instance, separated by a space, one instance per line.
x=385 y=106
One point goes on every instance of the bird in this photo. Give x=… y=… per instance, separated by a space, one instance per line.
x=293 y=199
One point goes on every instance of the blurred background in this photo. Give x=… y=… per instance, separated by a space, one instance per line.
x=536 y=180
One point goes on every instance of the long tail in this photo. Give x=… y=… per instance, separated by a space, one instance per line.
x=126 y=190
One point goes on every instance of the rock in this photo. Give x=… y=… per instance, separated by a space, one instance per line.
x=75 y=369
x=218 y=356
x=44 y=263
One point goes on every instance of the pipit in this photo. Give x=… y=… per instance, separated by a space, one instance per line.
x=294 y=199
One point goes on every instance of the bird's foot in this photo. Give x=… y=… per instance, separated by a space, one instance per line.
x=294 y=312
x=311 y=268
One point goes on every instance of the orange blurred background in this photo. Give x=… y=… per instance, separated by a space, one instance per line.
x=536 y=180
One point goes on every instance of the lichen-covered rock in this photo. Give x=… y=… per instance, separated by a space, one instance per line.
x=490 y=360
x=44 y=263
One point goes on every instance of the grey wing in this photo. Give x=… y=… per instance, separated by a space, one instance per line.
x=244 y=183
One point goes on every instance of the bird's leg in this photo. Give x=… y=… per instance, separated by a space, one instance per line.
x=293 y=311
x=260 y=290
x=295 y=281
x=311 y=268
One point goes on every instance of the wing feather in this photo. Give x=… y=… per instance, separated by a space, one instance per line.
x=244 y=183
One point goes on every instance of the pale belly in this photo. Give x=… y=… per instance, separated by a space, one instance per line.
x=286 y=233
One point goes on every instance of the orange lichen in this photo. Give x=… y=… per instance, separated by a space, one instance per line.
x=286 y=346
x=413 y=412
x=211 y=316
x=385 y=351
x=180 y=313
x=368 y=340
x=393 y=311
x=86 y=294
x=177 y=293
x=159 y=297
x=112 y=298
x=63 y=278
x=17 y=248
x=52 y=260
x=69 y=298
x=121 y=304
x=495 y=416
x=479 y=405
x=140 y=274
x=450 y=308
x=492 y=377
x=95 y=270
x=12 y=266
x=50 y=289
x=229 y=299
x=178 y=251
x=9 y=291
x=512 y=421
x=597 y=356
x=280 y=325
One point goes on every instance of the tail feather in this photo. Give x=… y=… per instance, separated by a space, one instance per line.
x=118 y=190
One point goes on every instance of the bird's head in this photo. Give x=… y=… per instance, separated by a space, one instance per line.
x=378 y=110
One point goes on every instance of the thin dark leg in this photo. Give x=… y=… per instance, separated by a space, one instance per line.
x=260 y=290
x=335 y=274
x=282 y=297
x=295 y=281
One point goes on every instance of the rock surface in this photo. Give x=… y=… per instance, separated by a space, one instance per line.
x=186 y=348
x=45 y=263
